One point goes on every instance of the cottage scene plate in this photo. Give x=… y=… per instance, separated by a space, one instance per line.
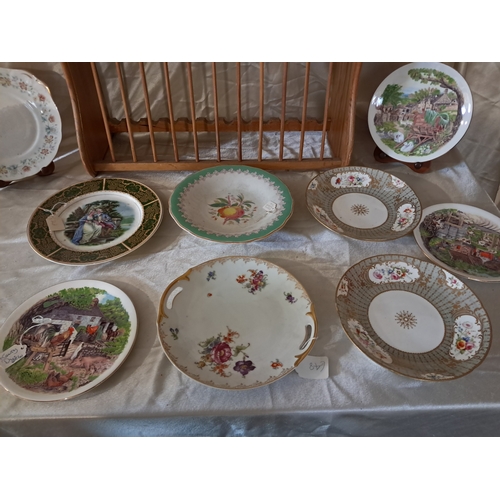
x=231 y=204
x=413 y=317
x=65 y=340
x=363 y=203
x=236 y=323
x=94 y=222
x=463 y=239
x=420 y=111
x=30 y=125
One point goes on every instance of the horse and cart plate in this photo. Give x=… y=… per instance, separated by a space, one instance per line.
x=420 y=111
x=94 y=221
x=65 y=340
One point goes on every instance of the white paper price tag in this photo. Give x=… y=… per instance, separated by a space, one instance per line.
x=12 y=355
x=270 y=206
x=55 y=223
x=313 y=367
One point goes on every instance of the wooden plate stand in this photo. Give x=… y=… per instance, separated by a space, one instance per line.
x=48 y=170
x=419 y=167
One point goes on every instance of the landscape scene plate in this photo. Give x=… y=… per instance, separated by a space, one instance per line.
x=231 y=204
x=236 y=323
x=363 y=203
x=101 y=220
x=413 y=317
x=65 y=340
x=30 y=125
x=463 y=239
x=420 y=111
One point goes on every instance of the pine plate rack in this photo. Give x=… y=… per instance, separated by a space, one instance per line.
x=102 y=132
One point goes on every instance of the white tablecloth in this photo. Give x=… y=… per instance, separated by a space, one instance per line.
x=149 y=396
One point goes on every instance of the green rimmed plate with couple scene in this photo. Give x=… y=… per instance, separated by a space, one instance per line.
x=94 y=222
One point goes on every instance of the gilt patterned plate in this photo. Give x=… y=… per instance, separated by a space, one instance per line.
x=236 y=323
x=413 y=317
x=94 y=221
x=65 y=340
x=363 y=203
x=231 y=204
x=420 y=111
x=30 y=125
x=463 y=239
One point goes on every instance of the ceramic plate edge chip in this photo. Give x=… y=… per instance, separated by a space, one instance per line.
x=40 y=236
x=402 y=216
x=485 y=217
x=88 y=365
x=466 y=326
x=50 y=127
x=424 y=119
x=182 y=221
x=276 y=368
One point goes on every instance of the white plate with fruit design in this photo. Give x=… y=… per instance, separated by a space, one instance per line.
x=231 y=204
x=413 y=317
x=30 y=125
x=251 y=325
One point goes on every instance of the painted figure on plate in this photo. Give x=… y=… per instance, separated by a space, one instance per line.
x=98 y=223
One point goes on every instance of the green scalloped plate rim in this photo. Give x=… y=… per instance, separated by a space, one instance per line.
x=179 y=218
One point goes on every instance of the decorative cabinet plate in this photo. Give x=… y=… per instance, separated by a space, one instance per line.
x=413 y=317
x=363 y=203
x=30 y=125
x=231 y=204
x=236 y=323
x=420 y=111
x=65 y=340
x=463 y=239
x=94 y=222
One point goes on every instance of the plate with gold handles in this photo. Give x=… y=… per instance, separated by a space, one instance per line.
x=94 y=222
x=363 y=203
x=236 y=323
x=413 y=317
x=65 y=340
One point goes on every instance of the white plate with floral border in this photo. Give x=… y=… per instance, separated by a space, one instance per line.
x=420 y=111
x=30 y=125
x=236 y=323
x=413 y=317
x=66 y=340
x=363 y=203
x=231 y=204
x=463 y=239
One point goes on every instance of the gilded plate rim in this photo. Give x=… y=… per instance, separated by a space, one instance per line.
x=395 y=257
x=60 y=194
